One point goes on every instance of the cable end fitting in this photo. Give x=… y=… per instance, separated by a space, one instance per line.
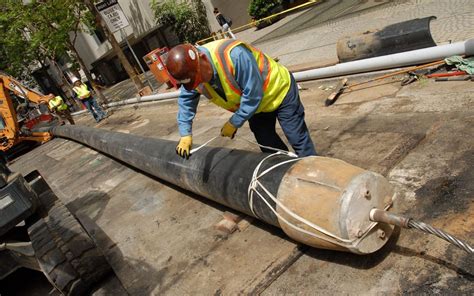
x=377 y=215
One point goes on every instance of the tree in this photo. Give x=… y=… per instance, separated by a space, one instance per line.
x=56 y=23
x=43 y=29
x=187 y=18
x=259 y=9
x=17 y=49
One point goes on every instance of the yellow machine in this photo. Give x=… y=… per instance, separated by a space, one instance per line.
x=13 y=129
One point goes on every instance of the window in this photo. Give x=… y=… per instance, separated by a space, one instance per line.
x=100 y=35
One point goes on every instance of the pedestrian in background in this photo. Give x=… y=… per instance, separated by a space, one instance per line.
x=85 y=95
x=224 y=22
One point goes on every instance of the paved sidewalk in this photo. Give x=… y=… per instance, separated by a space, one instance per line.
x=126 y=89
x=311 y=38
x=308 y=38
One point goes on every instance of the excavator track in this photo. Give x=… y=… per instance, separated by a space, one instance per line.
x=66 y=253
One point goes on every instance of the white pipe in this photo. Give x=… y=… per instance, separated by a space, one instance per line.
x=155 y=97
x=78 y=112
x=418 y=56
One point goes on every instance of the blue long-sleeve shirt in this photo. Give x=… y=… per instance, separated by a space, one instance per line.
x=248 y=78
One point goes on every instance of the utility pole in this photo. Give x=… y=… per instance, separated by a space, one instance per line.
x=136 y=58
x=115 y=45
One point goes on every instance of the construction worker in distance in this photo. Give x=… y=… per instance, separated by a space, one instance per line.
x=85 y=95
x=245 y=81
x=57 y=106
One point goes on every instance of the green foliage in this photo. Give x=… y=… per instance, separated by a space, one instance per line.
x=30 y=33
x=14 y=48
x=259 y=9
x=187 y=18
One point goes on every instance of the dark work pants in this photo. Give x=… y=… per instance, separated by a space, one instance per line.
x=290 y=115
x=94 y=108
x=65 y=114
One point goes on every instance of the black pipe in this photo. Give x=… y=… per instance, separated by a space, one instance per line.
x=395 y=38
x=219 y=174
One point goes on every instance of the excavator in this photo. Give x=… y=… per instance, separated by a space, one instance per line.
x=37 y=231
x=22 y=114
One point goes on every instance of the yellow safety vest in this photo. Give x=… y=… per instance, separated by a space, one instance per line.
x=276 y=78
x=57 y=102
x=82 y=91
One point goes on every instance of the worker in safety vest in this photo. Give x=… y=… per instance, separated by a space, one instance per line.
x=57 y=106
x=242 y=80
x=85 y=95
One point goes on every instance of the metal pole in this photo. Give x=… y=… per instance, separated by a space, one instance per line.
x=406 y=58
x=124 y=36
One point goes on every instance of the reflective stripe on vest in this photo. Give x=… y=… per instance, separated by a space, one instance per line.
x=82 y=91
x=276 y=78
x=58 y=102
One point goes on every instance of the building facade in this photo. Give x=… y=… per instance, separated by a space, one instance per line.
x=143 y=34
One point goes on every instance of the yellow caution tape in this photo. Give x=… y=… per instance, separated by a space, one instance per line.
x=256 y=22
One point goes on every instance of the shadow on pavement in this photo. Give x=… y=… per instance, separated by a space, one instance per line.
x=92 y=204
x=354 y=260
x=130 y=272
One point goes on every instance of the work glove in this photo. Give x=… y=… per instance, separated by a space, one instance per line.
x=228 y=130
x=184 y=146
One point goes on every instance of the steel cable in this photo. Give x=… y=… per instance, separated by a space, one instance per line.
x=441 y=234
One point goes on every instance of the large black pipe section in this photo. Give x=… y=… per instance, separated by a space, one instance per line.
x=319 y=201
x=400 y=37
x=219 y=174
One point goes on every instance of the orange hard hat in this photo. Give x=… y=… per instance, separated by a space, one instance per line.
x=183 y=64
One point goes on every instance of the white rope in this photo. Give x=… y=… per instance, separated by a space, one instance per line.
x=291 y=154
x=255 y=183
x=297 y=227
x=253 y=187
x=197 y=148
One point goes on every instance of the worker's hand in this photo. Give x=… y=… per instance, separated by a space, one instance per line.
x=228 y=130
x=184 y=146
